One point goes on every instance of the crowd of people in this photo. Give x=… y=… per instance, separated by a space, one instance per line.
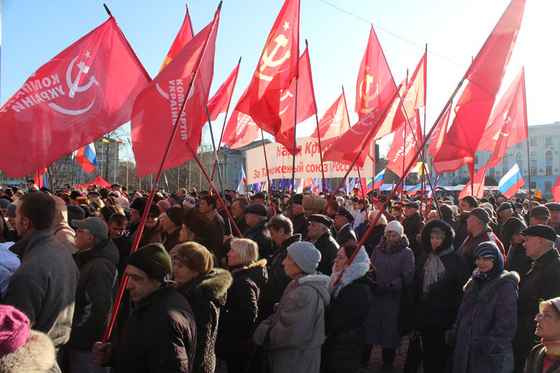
x=302 y=283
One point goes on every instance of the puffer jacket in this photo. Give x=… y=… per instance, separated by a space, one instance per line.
x=96 y=290
x=297 y=328
x=206 y=295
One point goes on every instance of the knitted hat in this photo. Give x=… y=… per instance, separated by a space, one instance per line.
x=306 y=256
x=163 y=205
x=14 y=330
x=189 y=202
x=195 y=256
x=394 y=226
x=176 y=215
x=152 y=259
x=486 y=249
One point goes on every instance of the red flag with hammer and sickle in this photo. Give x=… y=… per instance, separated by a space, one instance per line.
x=277 y=67
x=83 y=93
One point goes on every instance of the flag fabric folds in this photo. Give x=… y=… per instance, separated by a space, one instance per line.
x=475 y=104
x=41 y=178
x=556 y=190
x=334 y=122
x=511 y=182
x=240 y=130
x=184 y=35
x=405 y=143
x=84 y=92
x=378 y=179
x=507 y=125
x=478 y=181
x=438 y=136
x=219 y=103
x=276 y=69
x=158 y=109
x=242 y=186
x=86 y=157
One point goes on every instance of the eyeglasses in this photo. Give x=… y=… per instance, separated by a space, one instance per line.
x=152 y=217
x=542 y=316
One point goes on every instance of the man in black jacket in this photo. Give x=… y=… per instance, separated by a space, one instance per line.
x=160 y=333
x=255 y=216
x=342 y=222
x=320 y=236
x=97 y=258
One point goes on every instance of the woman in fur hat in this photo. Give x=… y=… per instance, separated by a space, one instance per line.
x=345 y=316
x=205 y=289
x=394 y=262
x=238 y=318
x=487 y=318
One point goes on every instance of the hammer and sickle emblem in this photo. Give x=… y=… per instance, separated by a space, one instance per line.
x=73 y=85
x=364 y=93
x=269 y=61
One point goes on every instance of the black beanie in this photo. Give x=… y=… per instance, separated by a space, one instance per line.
x=152 y=259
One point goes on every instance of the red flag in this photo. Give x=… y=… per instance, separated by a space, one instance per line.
x=438 y=136
x=240 y=130
x=219 y=103
x=507 y=125
x=556 y=190
x=475 y=104
x=158 y=107
x=305 y=103
x=83 y=93
x=185 y=35
x=40 y=178
x=277 y=67
x=478 y=181
x=404 y=145
x=334 y=122
x=375 y=81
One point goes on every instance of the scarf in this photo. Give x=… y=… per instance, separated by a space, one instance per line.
x=434 y=270
x=387 y=249
x=552 y=349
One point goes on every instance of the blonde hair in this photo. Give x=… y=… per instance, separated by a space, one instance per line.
x=247 y=250
x=382 y=219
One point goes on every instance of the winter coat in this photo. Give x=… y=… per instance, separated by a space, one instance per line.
x=345 y=317
x=9 y=262
x=96 y=290
x=461 y=232
x=169 y=240
x=439 y=307
x=541 y=282
x=518 y=261
x=535 y=362
x=373 y=239
x=277 y=282
x=239 y=315
x=395 y=270
x=329 y=249
x=261 y=236
x=471 y=243
x=206 y=294
x=412 y=226
x=301 y=225
x=485 y=325
x=37 y=355
x=44 y=285
x=297 y=328
x=158 y=336
x=345 y=234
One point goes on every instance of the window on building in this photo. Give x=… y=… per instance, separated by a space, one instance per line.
x=549 y=156
x=519 y=157
x=548 y=141
x=548 y=170
x=533 y=156
x=533 y=171
x=519 y=144
x=492 y=172
x=533 y=184
x=533 y=141
x=548 y=186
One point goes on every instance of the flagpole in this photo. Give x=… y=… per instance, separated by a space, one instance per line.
x=294 y=154
x=225 y=119
x=266 y=165
x=530 y=192
x=217 y=163
x=140 y=229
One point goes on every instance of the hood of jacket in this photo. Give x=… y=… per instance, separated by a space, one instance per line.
x=255 y=271
x=105 y=249
x=447 y=241
x=60 y=212
x=212 y=286
x=319 y=282
x=37 y=355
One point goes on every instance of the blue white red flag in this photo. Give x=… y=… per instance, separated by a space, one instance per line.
x=242 y=186
x=378 y=179
x=41 y=178
x=511 y=182
x=86 y=157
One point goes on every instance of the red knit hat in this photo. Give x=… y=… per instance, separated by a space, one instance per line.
x=14 y=330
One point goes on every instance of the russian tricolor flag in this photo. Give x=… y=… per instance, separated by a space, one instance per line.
x=86 y=157
x=511 y=182
x=242 y=186
x=378 y=180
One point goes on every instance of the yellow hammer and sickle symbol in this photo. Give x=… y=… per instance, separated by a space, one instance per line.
x=269 y=61
x=364 y=93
